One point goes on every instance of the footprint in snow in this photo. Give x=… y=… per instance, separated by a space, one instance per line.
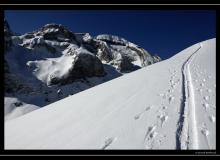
x=139 y=115
x=171 y=99
x=206 y=98
x=149 y=137
x=212 y=118
x=163 y=119
x=150 y=130
x=148 y=108
x=172 y=77
x=164 y=107
x=153 y=135
x=108 y=142
x=205 y=133
x=172 y=82
x=206 y=105
x=209 y=90
x=204 y=130
x=199 y=90
x=150 y=133
x=201 y=84
x=173 y=86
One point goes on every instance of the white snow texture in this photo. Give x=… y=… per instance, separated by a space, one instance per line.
x=167 y=105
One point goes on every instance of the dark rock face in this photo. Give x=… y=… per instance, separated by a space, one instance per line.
x=18 y=104
x=86 y=40
x=84 y=65
x=50 y=48
x=125 y=65
x=10 y=85
x=112 y=39
x=157 y=58
x=122 y=53
x=88 y=65
x=57 y=32
x=29 y=35
x=104 y=51
x=7 y=36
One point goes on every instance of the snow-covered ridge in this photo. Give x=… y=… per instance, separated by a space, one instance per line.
x=168 y=105
x=112 y=39
x=125 y=54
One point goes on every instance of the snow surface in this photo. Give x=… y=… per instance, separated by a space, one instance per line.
x=167 y=105
x=13 y=111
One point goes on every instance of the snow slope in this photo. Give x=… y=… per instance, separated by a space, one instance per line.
x=15 y=108
x=168 y=105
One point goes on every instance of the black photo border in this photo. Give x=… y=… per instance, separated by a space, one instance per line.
x=105 y=7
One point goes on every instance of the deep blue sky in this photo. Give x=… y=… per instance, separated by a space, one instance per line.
x=160 y=32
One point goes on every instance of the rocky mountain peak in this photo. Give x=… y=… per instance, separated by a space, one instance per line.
x=112 y=39
x=56 y=32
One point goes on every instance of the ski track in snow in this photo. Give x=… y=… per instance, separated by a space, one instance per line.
x=187 y=128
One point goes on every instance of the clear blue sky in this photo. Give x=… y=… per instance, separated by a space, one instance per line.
x=160 y=32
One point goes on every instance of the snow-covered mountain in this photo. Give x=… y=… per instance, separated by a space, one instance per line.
x=51 y=63
x=168 y=105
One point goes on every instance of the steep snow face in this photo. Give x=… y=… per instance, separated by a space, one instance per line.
x=39 y=63
x=168 y=105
